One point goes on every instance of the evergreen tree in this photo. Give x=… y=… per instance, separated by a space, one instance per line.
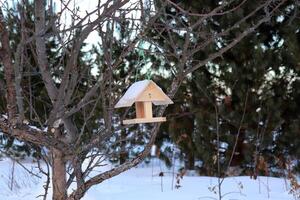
x=252 y=87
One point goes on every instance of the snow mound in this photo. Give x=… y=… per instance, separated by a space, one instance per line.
x=147 y=182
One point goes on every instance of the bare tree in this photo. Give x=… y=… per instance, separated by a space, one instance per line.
x=75 y=151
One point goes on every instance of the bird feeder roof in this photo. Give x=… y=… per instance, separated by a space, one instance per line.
x=144 y=91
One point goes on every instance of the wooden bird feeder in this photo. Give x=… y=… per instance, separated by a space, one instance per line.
x=143 y=94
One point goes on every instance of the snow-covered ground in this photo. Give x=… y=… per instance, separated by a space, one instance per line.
x=144 y=183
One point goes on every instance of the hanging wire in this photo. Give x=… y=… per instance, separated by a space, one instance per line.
x=137 y=67
x=141 y=58
x=141 y=62
x=148 y=74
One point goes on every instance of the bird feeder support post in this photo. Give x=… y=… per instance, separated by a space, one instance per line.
x=144 y=109
x=139 y=110
x=148 y=109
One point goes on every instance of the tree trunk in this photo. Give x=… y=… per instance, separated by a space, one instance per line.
x=5 y=57
x=59 y=183
x=123 y=154
x=238 y=154
x=189 y=161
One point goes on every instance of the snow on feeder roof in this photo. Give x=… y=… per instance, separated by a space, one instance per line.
x=143 y=94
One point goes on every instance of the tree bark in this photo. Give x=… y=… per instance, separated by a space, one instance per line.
x=5 y=55
x=59 y=182
x=123 y=154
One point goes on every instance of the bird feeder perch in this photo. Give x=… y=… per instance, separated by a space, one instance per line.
x=143 y=94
